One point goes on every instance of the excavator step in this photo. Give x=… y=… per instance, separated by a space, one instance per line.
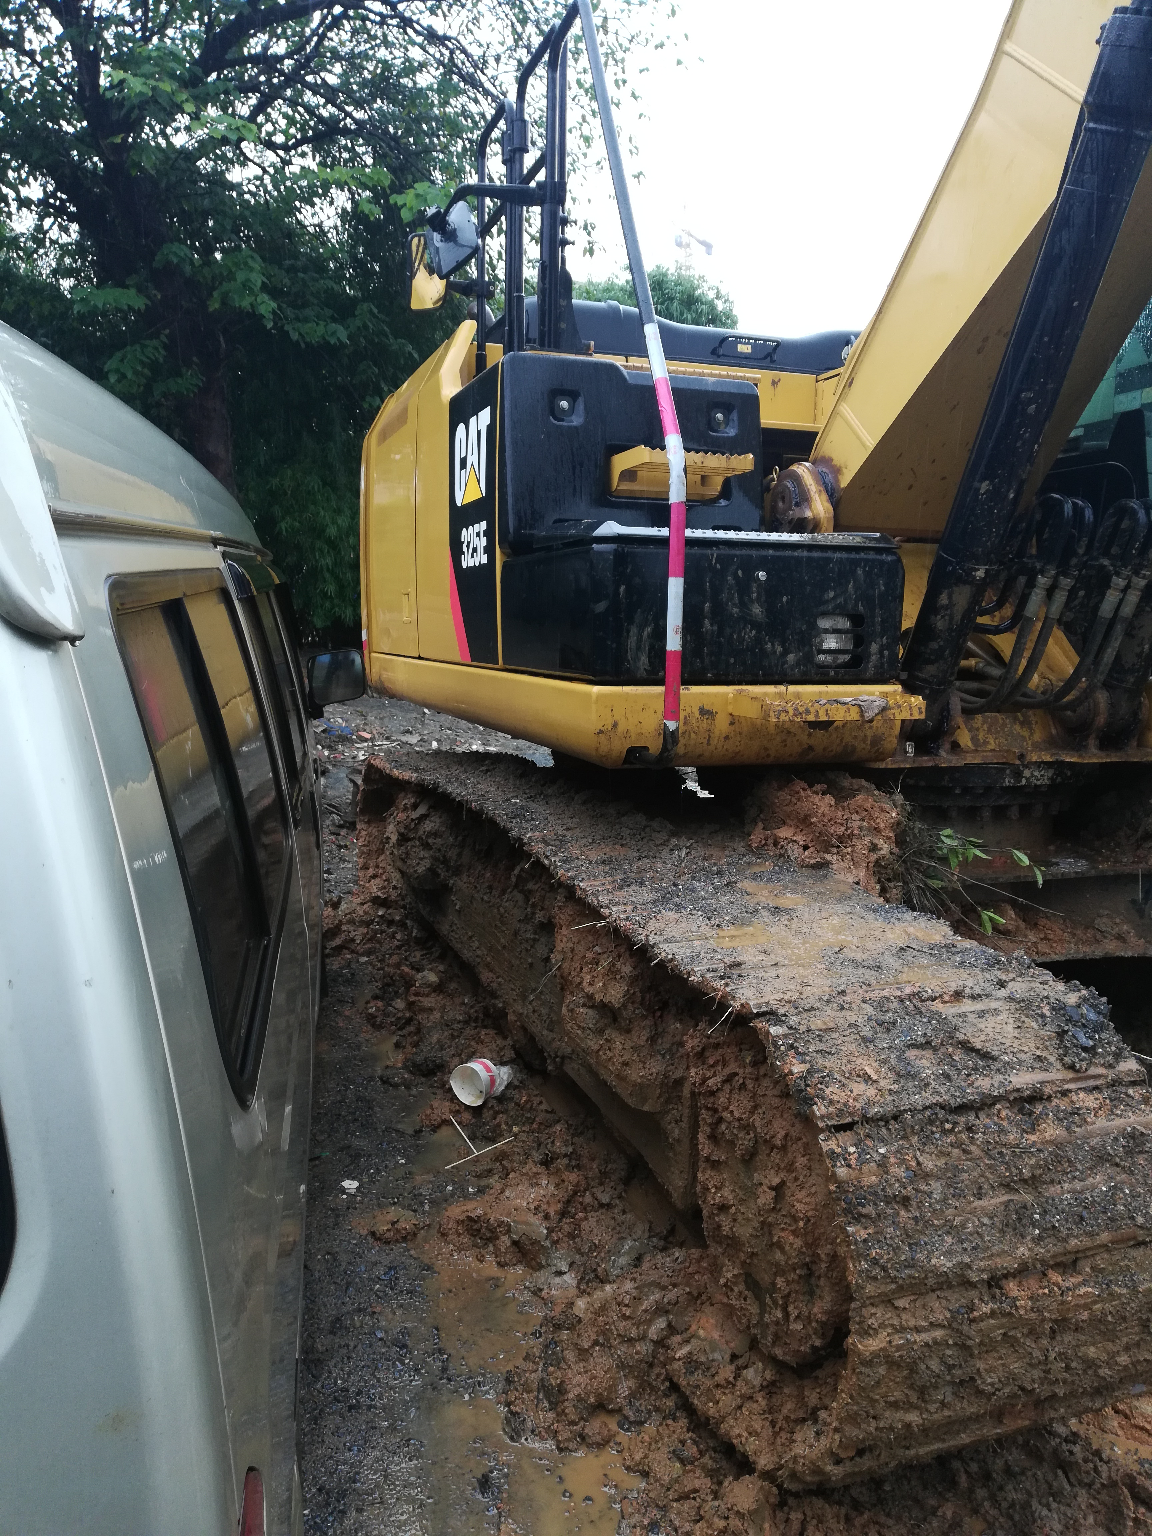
x=923 y=1169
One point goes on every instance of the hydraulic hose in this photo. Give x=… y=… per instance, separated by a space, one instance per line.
x=673 y=442
x=1066 y=580
x=1051 y=542
x=1087 y=667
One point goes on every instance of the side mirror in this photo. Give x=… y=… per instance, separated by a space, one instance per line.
x=425 y=289
x=334 y=677
x=454 y=239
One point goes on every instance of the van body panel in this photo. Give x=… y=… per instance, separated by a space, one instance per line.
x=34 y=590
x=110 y=1395
x=247 y=1164
x=94 y=452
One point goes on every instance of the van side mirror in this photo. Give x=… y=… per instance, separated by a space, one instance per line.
x=334 y=677
x=425 y=289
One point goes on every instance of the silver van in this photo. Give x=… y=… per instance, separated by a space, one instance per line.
x=160 y=895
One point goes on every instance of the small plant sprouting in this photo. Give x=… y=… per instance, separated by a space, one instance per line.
x=942 y=869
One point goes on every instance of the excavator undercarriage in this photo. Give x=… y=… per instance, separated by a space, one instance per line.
x=921 y=1168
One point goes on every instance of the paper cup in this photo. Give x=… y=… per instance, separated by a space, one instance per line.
x=478 y=1080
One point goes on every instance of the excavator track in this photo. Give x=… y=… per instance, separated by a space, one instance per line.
x=923 y=1169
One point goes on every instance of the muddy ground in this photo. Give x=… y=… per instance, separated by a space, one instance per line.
x=461 y=1321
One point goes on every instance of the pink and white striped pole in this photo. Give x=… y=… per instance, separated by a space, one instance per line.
x=673 y=442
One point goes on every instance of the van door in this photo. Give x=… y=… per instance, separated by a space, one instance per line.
x=202 y=803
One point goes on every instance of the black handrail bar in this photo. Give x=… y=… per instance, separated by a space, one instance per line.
x=481 y=255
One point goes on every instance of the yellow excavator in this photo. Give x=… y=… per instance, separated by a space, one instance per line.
x=908 y=570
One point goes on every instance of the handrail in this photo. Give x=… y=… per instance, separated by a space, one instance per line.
x=481 y=255
x=555 y=182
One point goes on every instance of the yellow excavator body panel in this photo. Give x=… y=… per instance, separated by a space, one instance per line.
x=720 y=726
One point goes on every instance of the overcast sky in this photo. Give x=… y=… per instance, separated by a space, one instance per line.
x=803 y=138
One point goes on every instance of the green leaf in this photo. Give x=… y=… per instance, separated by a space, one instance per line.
x=175 y=255
x=90 y=301
x=1039 y=873
x=987 y=918
x=414 y=202
x=130 y=371
x=1020 y=857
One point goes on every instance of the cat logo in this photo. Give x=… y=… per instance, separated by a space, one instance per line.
x=470 y=459
x=473 y=470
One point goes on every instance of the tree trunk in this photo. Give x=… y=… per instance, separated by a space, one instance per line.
x=210 y=428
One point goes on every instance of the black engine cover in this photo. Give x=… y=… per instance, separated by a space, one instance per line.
x=758 y=608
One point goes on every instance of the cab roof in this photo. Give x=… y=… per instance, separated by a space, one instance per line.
x=98 y=459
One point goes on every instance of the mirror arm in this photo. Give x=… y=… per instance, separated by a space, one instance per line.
x=499 y=211
x=471 y=288
x=498 y=214
x=521 y=196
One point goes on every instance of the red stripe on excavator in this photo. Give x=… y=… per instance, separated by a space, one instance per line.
x=457 y=616
x=671 y=687
x=677 y=519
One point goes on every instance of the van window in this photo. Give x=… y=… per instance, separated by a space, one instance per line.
x=235 y=696
x=286 y=611
x=281 y=685
x=196 y=698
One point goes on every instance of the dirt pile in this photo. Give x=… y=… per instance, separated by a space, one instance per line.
x=631 y=1324
x=844 y=823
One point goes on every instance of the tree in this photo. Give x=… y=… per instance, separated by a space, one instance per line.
x=199 y=203
x=678 y=294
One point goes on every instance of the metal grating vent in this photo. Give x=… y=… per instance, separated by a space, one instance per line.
x=839 y=640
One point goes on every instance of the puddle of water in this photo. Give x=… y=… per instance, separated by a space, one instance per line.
x=482 y=1327
x=771 y=895
x=458 y=1436
x=479 y=1320
x=432 y=1151
x=383 y=1049
x=547 y=1494
x=478 y=1482
x=742 y=937
x=552 y=1495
